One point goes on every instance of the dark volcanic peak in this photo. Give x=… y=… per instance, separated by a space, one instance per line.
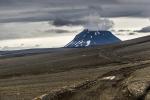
x=90 y=38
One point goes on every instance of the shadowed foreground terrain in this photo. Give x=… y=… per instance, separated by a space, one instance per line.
x=112 y=72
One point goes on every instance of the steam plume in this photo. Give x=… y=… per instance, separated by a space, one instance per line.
x=95 y=22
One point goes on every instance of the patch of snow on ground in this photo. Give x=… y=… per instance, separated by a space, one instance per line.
x=109 y=78
x=41 y=97
x=83 y=55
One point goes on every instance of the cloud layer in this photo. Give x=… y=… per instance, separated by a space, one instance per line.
x=58 y=13
x=144 y=30
x=32 y=29
x=43 y=10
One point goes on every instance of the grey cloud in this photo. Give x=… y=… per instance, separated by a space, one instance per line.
x=44 y=15
x=123 y=30
x=37 y=33
x=144 y=30
x=64 y=22
x=55 y=2
x=57 y=31
x=132 y=33
x=44 y=10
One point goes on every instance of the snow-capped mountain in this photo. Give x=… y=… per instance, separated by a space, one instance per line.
x=90 y=38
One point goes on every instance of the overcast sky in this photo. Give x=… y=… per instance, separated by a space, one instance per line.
x=30 y=19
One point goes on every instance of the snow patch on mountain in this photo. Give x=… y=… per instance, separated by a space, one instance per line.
x=88 y=43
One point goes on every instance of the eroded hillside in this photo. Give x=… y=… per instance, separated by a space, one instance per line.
x=112 y=72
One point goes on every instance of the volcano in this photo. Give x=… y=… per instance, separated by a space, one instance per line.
x=91 y=38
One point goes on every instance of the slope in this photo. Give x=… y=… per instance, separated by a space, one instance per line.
x=82 y=73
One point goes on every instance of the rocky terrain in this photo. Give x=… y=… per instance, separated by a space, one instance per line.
x=110 y=72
